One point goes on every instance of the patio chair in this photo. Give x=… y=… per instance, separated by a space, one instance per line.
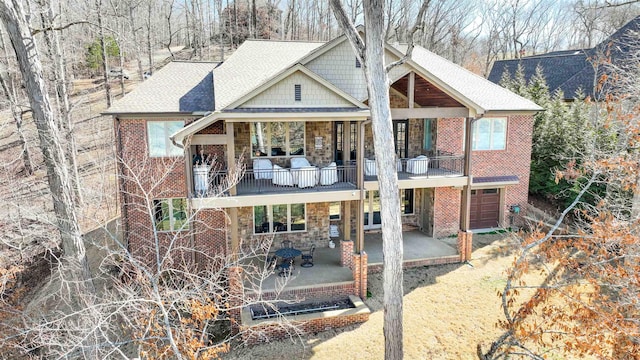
x=272 y=261
x=418 y=165
x=307 y=259
x=285 y=244
x=329 y=174
x=286 y=267
x=281 y=176
x=262 y=169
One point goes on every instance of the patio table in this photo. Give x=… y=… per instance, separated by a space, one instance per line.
x=288 y=253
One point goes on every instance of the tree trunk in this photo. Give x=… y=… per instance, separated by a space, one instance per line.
x=372 y=55
x=105 y=62
x=62 y=94
x=76 y=269
x=149 y=46
x=10 y=92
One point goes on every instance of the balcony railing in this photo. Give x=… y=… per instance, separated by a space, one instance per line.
x=307 y=179
x=422 y=168
x=209 y=183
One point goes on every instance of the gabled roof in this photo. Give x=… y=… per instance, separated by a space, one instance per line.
x=468 y=88
x=253 y=64
x=558 y=68
x=572 y=70
x=291 y=70
x=179 y=87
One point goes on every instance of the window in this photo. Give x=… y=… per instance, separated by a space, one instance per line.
x=401 y=137
x=406 y=201
x=158 y=133
x=338 y=132
x=297 y=92
x=170 y=214
x=334 y=210
x=358 y=64
x=428 y=134
x=279 y=218
x=277 y=139
x=490 y=134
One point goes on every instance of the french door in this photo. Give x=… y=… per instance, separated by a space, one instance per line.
x=371 y=217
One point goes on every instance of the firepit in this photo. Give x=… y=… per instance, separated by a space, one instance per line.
x=259 y=312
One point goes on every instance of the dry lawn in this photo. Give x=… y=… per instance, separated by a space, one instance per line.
x=448 y=310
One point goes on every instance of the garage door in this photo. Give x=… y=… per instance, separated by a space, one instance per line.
x=485 y=208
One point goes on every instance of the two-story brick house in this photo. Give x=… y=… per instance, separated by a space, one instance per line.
x=295 y=115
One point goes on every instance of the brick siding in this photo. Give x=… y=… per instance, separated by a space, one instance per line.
x=161 y=178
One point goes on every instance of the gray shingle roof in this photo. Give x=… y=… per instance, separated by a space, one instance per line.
x=485 y=94
x=558 y=69
x=179 y=87
x=253 y=64
x=571 y=70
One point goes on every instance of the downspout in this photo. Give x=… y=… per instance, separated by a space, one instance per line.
x=123 y=194
x=465 y=219
x=361 y=202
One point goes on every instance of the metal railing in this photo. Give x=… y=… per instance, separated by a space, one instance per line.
x=208 y=182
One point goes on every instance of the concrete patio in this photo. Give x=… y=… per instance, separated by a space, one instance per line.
x=416 y=245
x=328 y=272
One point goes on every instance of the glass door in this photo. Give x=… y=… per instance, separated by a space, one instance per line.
x=371 y=217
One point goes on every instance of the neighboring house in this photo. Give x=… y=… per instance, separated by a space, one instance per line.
x=296 y=115
x=573 y=71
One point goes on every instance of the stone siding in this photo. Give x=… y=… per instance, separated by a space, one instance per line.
x=317 y=229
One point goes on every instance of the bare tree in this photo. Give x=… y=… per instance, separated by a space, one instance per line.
x=7 y=81
x=371 y=52
x=74 y=261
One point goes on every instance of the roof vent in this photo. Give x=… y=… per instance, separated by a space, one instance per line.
x=297 y=92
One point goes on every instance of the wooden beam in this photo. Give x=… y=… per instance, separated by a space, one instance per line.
x=411 y=89
x=233 y=228
x=202 y=139
x=429 y=113
x=231 y=155
x=346 y=220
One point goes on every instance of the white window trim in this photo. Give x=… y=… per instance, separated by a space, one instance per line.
x=172 y=220
x=270 y=220
x=475 y=133
x=168 y=144
x=287 y=141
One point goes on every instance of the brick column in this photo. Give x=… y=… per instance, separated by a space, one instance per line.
x=465 y=245
x=236 y=297
x=346 y=254
x=359 y=272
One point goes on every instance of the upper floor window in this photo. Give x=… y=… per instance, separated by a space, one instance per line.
x=277 y=139
x=158 y=133
x=358 y=64
x=170 y=214
x=490 y=134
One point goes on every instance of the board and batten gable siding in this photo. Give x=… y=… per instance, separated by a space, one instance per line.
x=281 y=94
x=338 y=66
